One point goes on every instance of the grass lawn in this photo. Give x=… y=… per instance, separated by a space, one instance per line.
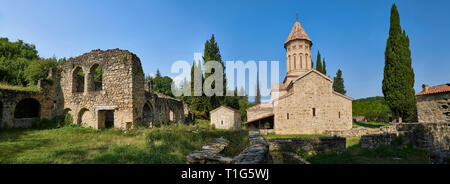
x=369 y=124
x=6 y=86
x=72 y=144
x=383 y=155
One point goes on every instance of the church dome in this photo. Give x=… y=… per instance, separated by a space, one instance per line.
x=297 y=33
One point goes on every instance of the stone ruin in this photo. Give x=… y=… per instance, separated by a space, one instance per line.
x=257 y=152
x=121 y=98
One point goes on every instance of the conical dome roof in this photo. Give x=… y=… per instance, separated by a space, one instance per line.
x=297 y=33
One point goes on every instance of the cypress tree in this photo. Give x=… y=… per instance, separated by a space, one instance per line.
x=324 y=67
x=338 y=83
x=398 y=81
x=212 y=53
x=258 y=92
x=318 y=62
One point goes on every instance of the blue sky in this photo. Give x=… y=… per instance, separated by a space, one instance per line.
x=350 y=34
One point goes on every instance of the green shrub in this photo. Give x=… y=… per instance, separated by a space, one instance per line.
x=44 y=124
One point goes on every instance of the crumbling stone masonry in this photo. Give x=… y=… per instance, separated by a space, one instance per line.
x=123 y=96
x=119 y=99
x=18 y=109
x=257 y=152
x=428 y=136
x=309 y=145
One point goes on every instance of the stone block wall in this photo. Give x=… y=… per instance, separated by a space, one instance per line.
x=312 y=107
x=429 y=136
x=225 y=118
x=310 y=145
x=433 y=108
x=12 y=101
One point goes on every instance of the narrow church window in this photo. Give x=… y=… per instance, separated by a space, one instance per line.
x=301 y=62
x=295 y=62
x=221 y=122
x=339 y=115
x=287 y=115
x=314 y=111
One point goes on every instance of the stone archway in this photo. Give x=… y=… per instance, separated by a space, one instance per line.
x=148 y=115
x=78 y=80
x=95 y=78
x=27 y=108
x=84 y=117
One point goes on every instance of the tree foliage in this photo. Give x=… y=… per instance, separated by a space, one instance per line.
x=372 y=108
x=21 y=65
x=398 y=81
x=318 y=62
x=338 y=83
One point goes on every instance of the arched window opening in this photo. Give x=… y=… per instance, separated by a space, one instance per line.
x=83 y=117
x=287 y=116
x=78 y=80
x=96 y=78
x=295 y=61
x=289 y=62
x=27 y=108
x=314 y=111
x=339 y=115
x=147 y=115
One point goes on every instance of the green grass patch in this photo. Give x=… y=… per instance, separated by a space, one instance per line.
x=78 y=145
x=32 y=88
x=279 y=136
x=369 y=124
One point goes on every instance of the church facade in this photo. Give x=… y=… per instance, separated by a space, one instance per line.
x=305 y=103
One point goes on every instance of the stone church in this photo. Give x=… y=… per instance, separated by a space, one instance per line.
x=305 y=103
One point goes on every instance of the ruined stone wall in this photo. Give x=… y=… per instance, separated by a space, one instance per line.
x=294 y=112
x=310 y=145
x=163 y=109
x=119 y=82
x=433 y=108
x=9 y=100
x=429 y=136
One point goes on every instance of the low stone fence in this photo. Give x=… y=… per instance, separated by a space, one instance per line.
x=375 y=140
x=429 y=136
x=210 y=153
x=440 y=157
x=360 y=131
x=287 y=158
x=257 y=152
x=310 y=145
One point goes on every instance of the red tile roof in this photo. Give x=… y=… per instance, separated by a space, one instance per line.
x=297 y=33
x=260 y=107
x=436 y=89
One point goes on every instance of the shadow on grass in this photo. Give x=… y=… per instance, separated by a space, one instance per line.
x=382 y=155
x=370 y=124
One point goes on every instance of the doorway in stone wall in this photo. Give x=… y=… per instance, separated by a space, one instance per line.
x=109 y=119
x=105 y=119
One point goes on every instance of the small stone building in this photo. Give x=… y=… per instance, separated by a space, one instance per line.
x=225 y=117
x=433 y=104
x=305 y=103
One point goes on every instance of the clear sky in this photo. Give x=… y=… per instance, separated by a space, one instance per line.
x=350 y=34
